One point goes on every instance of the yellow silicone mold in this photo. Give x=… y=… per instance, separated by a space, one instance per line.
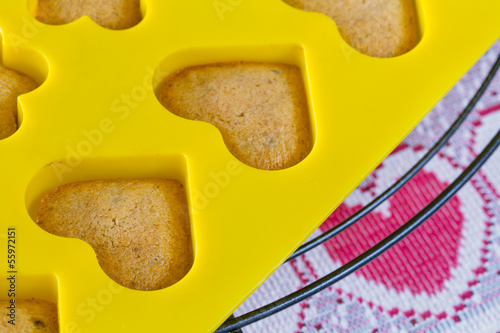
x=96 y=116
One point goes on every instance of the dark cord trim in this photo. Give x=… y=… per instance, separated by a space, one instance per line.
x=369 y=255
x=403 y=180
x=391 y=240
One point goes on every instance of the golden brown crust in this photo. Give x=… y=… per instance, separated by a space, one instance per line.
x=260 y=109
x=32 y=316
x=12 y=85
x=112 y=14
x=379 y=28
x=139 y=228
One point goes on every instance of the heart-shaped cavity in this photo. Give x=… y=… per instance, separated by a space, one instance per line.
x=12 y=85
x=378 y=28
x=433 y=247
x=139 y=228
x=260 y=109
x=111 y=14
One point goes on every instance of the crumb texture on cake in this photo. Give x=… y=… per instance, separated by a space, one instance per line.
x=32 y=316
x=260 y=108
x=378 y=28
x=139 y=228
x=12 y=85
x=111 y=14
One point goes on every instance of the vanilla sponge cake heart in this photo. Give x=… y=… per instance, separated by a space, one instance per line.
x=378 y=28
x=32 y=316
x=260 y=108
x=12 y=85
x=139 y=228
x=112 y=14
